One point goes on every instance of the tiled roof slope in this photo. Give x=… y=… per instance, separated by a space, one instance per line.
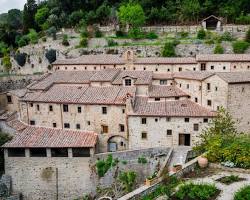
x=92 y=59
x=17 y=125
x=193 y=75
x=235 y=77
x=48 y=137
x=163 y=76
x=82 y=94
x=179 y=108
x=18 y=92
x=106 y=75
x=141 y=77
x=165 y=91
x=162 y=60
x=75 y=77
x=223 y=57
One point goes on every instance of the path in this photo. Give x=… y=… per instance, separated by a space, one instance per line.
x=227 y=191
x=179 y=155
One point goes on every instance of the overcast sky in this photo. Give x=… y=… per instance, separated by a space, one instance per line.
x=6 y=5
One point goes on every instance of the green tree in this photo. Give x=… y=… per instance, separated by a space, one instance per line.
x=168 y=50
x=103 y=13
x=41 y=15
x=7 y=63
x=128 y=180
x=33 y=36
x=29 y=12
x=75 y=17
x=218 y=49
x=132 y=15
x=3 y=49
x=240 y=46
x=14 y=19
x=190 y=10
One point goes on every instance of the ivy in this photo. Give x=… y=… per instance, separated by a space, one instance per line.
x=103 y=166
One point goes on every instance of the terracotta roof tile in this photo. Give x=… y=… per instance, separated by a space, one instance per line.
x=235 y=77
x=179 y=108
x=18 y=92
x=162 y=60
x=193 y=75
x=47 y=137
x=166 y=91
x=141 y=77
x=6 y=115
x=223 y=57
x=17 y=125
x=163 y=76
x=106 y=75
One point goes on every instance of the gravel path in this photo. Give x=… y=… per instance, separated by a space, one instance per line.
x=227 y=191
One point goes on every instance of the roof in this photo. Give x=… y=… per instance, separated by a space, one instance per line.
x=223 y=57
x=106 y=75
x=141 y=77
x=235 y=77
x=6 y=115
x=73 y=77
x=193 y=75
x=179 y=108
x=82 y=94
x=166 y=91
x=18 y=92
x=39 y=137
x=92 y=59
x=212 y=16
x=163 y=76
x=17 y=125
x=163 y=60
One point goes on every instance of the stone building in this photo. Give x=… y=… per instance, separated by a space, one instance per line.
x=212 y=23
x=47 y=163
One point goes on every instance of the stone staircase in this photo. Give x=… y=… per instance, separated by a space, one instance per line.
x=179 y=155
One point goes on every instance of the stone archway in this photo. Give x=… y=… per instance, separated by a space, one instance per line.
x=117 y=143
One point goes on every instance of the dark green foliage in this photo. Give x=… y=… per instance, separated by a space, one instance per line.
x=29 y=11
x=51 y=55
x=151 y=35
x=218 y=49
x=128 y=180
x=120 y=34
x=52 y=32
x=3 y=139
x=98 y=33
x=65 y=41
x=169 y=49
x=142 y=160
x=247 y=39
x=33 y=36
x=112 y=43
x=240 y=46
x=183 y=34
x=243 y=193
x=41 y=16
x=7 y=63
x=226 y=36
x=201 y=35
x=20 y=58
x=75 y=17
x=83 y=42
x=103 y=166
x=243 y=19
x=135 y=33
x=192 y=191
x=3 y=49
x=14 y=19
x=229 y=179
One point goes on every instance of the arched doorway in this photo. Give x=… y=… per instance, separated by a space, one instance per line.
x=117 y=143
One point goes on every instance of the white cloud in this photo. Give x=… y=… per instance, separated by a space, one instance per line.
x=6 y=5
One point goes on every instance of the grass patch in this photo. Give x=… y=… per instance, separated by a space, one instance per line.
x=230 y=179
x=243 y=193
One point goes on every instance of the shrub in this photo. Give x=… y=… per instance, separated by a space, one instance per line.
x=243 y=193
x=120 y=33
x=209 y=41
x=124 y=162
x=98 y=33
x=240 y=46
x=229 y=179
x=168 y=50
x=183 y=34
x=104 y=165
x=196 y=191
x=52 y=32
x=201 y=35
x=20 y=58
x=151 y=35
x=33 y=36
x=142 y=160
x=218 y=49
x=247 y=39
x=128 y=180
x=7 y=63
x=65 y=41
x=51 y=55
x=135 y=33
x=83 y=42
x=226 y=36
x=243 y=19
x=112 y=43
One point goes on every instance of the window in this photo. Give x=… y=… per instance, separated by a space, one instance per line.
x=203 y=66
x=94 y=68
x=124 y=68
x=79 y=109
x=32 y=122
x=104 y=110
x=37 y=107
x=105 y=129
x=123 y=111
x=59 y=152
x=144 y=135
x=144 y=68
x=168 y=119
x=143 y=120
x=234 y=66
x=194 y=69
x=156 y=69
x=9 y=99
x=122 y=128
x=122 y=143
x=168 y=70
x=157 y=99
x=187 y=86
x=134 y=68
x=163 y=82
x=38 y=152
x=196 y=100
x=51 y=108
x=180 y=84
x=209 y=102
x=74 y=68
x=66 y=125
x=88 y=123
x=186 y=119
x=177 y=98
x=196 y=127
x=54 y=125
x=224 y=68
x=81 y=152
x=31 y=105
x=169 y=132
x=78 y=126
x=242 y=89
x=65 y=108
x=208 y=86
x=212 y=67
x=16 y=152
x=205 y=120
x=156 y=119
x=216 y=88
x=66 y=68
x=180 y=69
x=85 y=68
x=128 y=82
